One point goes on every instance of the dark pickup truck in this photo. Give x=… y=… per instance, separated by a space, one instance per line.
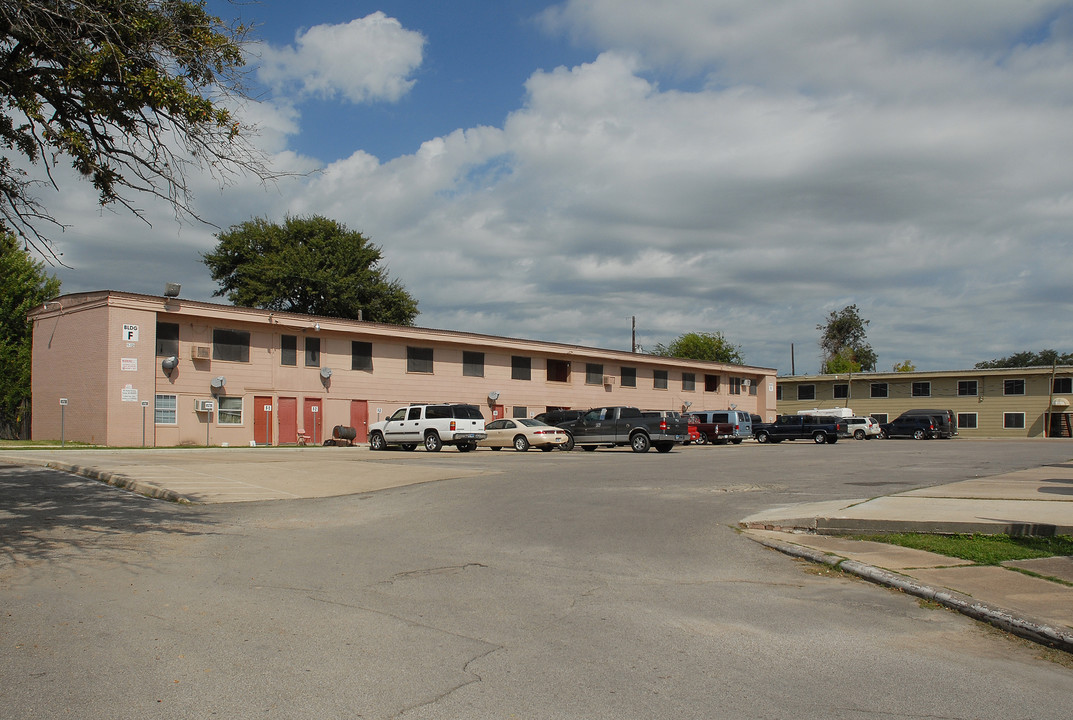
x=612 y=426
x=800 y=427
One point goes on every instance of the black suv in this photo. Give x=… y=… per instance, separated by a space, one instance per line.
x=554 y=417
x=919 y=427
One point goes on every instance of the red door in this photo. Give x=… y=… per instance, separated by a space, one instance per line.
x=313 y=417
x=262 y=420
x=288 y=421
x=359 y=420
x=497 y=412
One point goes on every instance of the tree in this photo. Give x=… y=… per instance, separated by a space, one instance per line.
x=906 y=366
x=1027 y=358
x=702 y=346
x=845 y=331
x=843 y=362
x=23 y=286
x=308 y=265
x=133 y=93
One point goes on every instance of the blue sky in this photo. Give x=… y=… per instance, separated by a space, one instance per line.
x=551 y=170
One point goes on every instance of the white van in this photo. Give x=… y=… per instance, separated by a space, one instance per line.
x=741 y=420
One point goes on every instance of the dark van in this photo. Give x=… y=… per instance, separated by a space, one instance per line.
x=945 y=421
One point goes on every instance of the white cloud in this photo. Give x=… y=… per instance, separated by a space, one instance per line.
x=367 y=59
x=911 y=158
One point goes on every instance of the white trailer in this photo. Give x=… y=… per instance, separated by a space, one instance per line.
x=840 y=412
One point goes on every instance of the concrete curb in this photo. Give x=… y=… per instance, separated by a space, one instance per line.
x=112 y=478
x=1001 y=618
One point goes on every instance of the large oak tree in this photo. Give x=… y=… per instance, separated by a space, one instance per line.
x=135 y=94
x=309 y=265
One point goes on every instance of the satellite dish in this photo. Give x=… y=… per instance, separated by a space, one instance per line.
x=169 y=363
x=494 y=395
x=218 y=382
x=172 y=289
x=325 y=373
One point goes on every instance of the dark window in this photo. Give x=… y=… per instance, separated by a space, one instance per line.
x=629 y=377
x=167 y=339
x=1013 y=420
x=472 y=364
x=231 y=345
x=879 y=390
x=922 y=389
x=594 y=374
x=879 y=417
x=778 y=392
x=711 y=383
x=841 y=391
x=418 y=360
x=967 y=388
x=288 y=349
x=558 y=370
x=735 y=386
x=521 y=368
x=967 y=421
x=312 y=352
x=806 y=392
x=466 y=412
x=520 y=412
x=752 y=388
x=659 y=379
x=1063 y=386
x=689 y=381
x=1013 y=387
x=438 y=412
x=361 y=355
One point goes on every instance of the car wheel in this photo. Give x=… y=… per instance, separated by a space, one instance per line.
x=376 y=442
x=467 y=446
x=762 y=437
x=521 y=444
x=858 y=434
x=664 y=447
x=433 y=442
x=919 y=434
x=569 y=444
x=409 y=447
x=588 y=448
x=702 y=440
x=640 y=443
x=819 y=438
x=546 y=448
x=736 y=441
x=497 y=447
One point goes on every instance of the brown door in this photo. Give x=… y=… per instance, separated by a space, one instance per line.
x=288 y=421
x=497 y=412
x=313 y=417
x=262 y=420
x=359 y=420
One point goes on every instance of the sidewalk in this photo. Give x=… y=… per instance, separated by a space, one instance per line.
x=1037 y=501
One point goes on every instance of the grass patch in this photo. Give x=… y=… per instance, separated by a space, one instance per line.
x=981 y=549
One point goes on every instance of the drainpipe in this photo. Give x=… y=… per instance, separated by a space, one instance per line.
x=1050 y=401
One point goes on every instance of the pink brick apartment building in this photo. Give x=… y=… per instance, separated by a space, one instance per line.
x=120 y=369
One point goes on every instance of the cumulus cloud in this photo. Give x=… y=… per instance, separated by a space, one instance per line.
x=911 y=158
x=367 y=59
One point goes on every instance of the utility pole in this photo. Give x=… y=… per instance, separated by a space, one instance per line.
x=633 y=337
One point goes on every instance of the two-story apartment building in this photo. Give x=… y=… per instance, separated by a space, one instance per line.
x=124 y=369
x=1019 y=402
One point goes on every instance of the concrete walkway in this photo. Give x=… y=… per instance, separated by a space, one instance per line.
x=1035 y=501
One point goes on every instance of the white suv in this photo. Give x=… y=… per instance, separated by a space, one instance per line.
x=432 y=425
x=862 y=428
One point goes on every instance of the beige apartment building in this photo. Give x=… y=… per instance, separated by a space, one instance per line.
x=1019 y=402
x=124 y=369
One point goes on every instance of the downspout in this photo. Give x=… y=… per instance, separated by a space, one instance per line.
x=1050 y=401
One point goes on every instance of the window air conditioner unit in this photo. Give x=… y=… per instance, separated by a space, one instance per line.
x=200 y=352
x=609 y=379
x=746 y=382
x=203 y=405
